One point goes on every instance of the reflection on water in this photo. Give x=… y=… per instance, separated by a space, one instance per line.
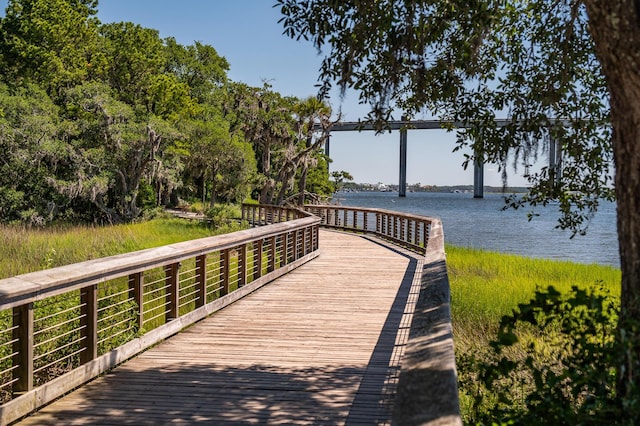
x=482 y=223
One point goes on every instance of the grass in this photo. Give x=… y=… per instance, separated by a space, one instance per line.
x=30 y=249
x=487 y=285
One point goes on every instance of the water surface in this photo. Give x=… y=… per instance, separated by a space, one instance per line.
x=481 y=223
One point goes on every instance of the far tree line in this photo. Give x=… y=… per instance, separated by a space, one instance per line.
x=102 y=122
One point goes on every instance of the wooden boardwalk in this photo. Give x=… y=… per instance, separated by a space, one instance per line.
x=320 y=345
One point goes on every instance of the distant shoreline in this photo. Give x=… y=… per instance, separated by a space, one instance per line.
x=379 y=187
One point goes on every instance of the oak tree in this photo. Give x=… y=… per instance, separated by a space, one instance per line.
x=564 y=71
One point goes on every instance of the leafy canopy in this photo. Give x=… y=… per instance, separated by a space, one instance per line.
x=471 y=62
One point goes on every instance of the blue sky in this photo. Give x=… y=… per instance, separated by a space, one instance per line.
x=247 y=34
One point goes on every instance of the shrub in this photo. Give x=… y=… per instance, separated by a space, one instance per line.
x=224 y=215
x=553 y=362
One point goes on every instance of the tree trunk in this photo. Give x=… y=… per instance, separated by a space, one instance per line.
x=286 y=177
x=203 y=189
x=302 y=184
x=615 y=28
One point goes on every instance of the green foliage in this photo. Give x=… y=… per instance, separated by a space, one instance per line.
x=51 y=42
x=222 y=162
x=486 y=286
x=30 y=151
x=339 y=177
x=472 y=62
x=553 y=362
x=136 y=57
x=283 y=133
x=318 y=177
x=198 y=66
x=106 y=123
x=115 y=149
x=225 y=215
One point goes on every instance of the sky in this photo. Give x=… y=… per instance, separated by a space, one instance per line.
x=248 y=35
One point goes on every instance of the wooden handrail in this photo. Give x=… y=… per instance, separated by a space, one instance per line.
x=93 y=315
x=407 y=230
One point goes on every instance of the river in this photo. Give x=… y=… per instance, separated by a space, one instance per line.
x=481 y=223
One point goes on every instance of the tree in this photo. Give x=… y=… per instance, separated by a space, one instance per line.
x=198 y=66
x=136 y=59
x=314 y=121
x=31 y=154
x=318 y=186
x=266 y=120
x=114 y=151
x=222 y=161
x=339 y=177
x=565 y=70
x=52 y=42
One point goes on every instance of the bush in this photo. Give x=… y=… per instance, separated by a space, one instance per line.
x=224 y=215
x=553 y=362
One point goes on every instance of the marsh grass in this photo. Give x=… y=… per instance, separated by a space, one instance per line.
x=485 y=286
x=25 y=250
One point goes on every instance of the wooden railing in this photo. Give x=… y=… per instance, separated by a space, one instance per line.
x=410 y=231
x=64 y=326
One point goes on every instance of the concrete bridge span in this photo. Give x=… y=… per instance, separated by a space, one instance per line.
x=403 y=126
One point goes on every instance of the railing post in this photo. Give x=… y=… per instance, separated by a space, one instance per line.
x=136 y=286
x=23 y=348
x=285 y=249
x=273 y=250
x=89 y=323
x=225 y=272
x=304 y=241
x=258 y=259
x=296 y=245
x=173 y=292
x=425 y=234
x=201 y=280
x=242 y=265
x=395 y=226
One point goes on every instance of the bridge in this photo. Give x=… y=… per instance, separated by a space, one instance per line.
x=331 y=315
x=555 y=149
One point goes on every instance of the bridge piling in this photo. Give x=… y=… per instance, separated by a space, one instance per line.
x=478 y=179
x=555 y=156
x=402 y=184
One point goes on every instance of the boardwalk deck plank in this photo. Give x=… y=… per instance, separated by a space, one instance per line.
x=320 y=345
